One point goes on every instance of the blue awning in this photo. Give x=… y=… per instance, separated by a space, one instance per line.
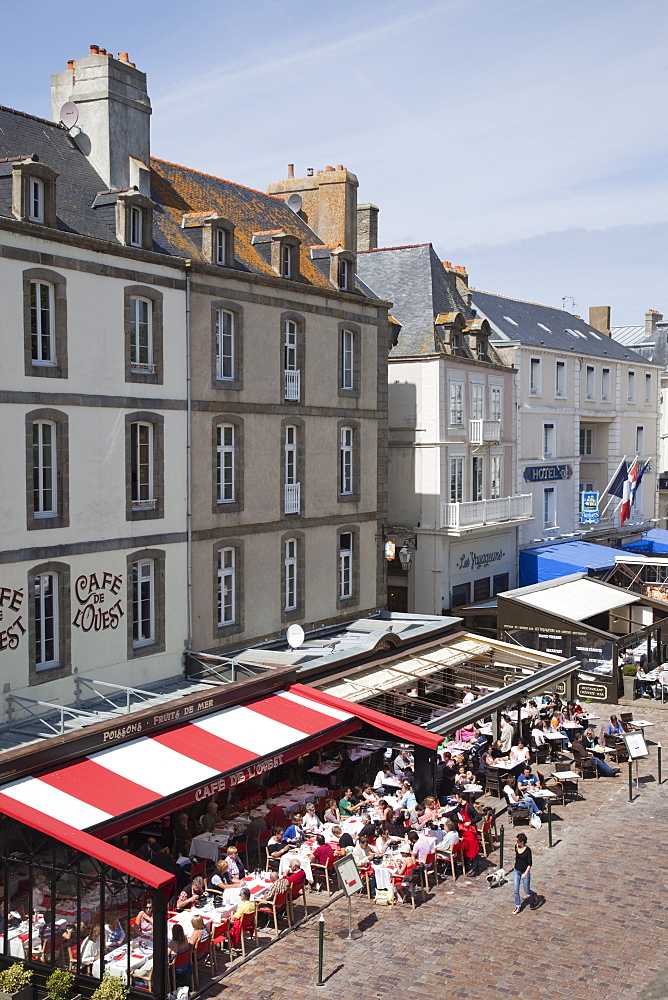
x=548 y=562
x=653 y=542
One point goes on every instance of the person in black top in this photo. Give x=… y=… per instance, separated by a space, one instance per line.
x=345 y=840
x=522 y=873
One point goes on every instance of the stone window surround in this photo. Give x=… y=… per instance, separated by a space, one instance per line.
x=355 y=495
x=59 y=284
x=223 y=631
x=278 y=242
x=301 y=462
x=124 y=203
x=237 y=505
x=301 y=353
x=22 y=173
x=356 y=331
x=62 y=518
x=155 y=297
x=158 y=423
x=298 y=612
x=158 y=557
x=64 y=669
x=347 y=602
x=210 y=227
x=334 y=258
x=236 y=383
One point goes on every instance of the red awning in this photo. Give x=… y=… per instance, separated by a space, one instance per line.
x=404 y=731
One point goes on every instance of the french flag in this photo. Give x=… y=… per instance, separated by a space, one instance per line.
x=630 y=484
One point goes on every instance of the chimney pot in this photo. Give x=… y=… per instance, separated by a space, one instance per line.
x=103 y=52
x=328 y=167
x=447 y=263
x=291 y=171
x=70 y=63
x=340 y=166
x=123 y=57
x=95 y=50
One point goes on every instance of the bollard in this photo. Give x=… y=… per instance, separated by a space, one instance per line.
x=501 y=836
x=549 y=822
x=630 y=781
x=321 y=946
x=658 y=751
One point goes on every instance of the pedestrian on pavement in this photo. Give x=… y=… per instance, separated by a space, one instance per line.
x=522 y=873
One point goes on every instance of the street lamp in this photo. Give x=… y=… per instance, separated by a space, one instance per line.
x=405 y=552
x=405 y=557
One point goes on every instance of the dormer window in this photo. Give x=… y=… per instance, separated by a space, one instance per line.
x=284 y=255
x=286 y=261
x=344 y=275
x=342 y=269
x=136 y=226
x=220 y=247
x=35 y=200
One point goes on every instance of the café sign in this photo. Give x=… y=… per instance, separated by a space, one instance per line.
x=547 y=473
x=12 y=624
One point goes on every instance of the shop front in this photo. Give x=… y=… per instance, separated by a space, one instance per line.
x=479 y=567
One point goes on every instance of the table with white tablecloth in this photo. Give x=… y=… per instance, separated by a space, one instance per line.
x=209 y=845
x=256 y=885
x=116 y=961
x=301 y=855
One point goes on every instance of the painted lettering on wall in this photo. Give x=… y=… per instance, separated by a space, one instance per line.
x=479 y=560
x=12 y=625
x=95 y=593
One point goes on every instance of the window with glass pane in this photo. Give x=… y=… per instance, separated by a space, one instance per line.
x=495 y=402
x=143 y=602
x=640 y=441
x=548 y=440
x=477 y=392
x=141 y=332
x=631 y=387
x=495 y=477
x=286 y=261
x=648 y=387
x=44 y=468
x=456 y=404
x=36 y=200
x=589 y=382
x=290 y=455
x=534 y=376
x=226 y=587
x=346 y=447
x=42 y=326
x=548 y=507
x=291 y=574
x=344 y=275
x=476 y=477
x=290 y=346
x=586 y=440
x=456 y=480
x=560 y=379
x=347 y=343
x=136 y=226
x=225 y=463
x=221 y=247
x=605 y=384
x=345 y=565
x=46 y=620
x=481 y=589
x=141 y=439
x=224 y=344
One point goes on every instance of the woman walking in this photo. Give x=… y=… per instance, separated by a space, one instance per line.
x=522 y=873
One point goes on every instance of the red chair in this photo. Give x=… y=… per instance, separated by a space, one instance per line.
x=243 y=805
x=366 y=872
x=220 y=936
x=181 y=962
x=297 y=891
x=256 y=800
x=277 y=907
x=430 y=869
x=198 y=868
x=284 y=786
x=248 y=929
x=201 y=951
x=453 y=856
x=323 y=871
x=272 y=792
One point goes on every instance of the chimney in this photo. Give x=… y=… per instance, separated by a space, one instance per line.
x=114 y=115
x=329 y=203
x=367 y=227
x=652 y=318
x=599 y=318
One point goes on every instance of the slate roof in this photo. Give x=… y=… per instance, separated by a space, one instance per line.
x=415 y=281
x=653 y=348
x=533 y=324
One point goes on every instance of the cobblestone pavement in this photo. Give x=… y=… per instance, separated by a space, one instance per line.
x=601 y=931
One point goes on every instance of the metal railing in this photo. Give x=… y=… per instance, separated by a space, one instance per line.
x=292 y=498
x=475 y=512
x=292 y=384
x=484 y=431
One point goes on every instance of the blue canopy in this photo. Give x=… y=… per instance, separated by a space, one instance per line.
x=548 y=562
x=653 y=542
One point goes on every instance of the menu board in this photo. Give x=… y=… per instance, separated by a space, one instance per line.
x=350 y=879
x=635 y=745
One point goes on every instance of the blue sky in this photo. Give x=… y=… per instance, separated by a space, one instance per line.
x=525 y=138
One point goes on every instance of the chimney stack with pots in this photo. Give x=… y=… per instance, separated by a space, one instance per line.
x=329 y=203
x=652 y=318
x=599 y=318
x=367 y=227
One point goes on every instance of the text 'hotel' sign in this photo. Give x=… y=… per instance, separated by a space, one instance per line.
x=547 y=473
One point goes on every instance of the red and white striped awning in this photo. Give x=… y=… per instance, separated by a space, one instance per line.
x=189 y=758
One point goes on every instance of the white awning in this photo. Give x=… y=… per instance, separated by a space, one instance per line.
x=578 y=599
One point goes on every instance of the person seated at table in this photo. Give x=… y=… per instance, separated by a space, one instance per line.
x=41 y=893
x=402 y=874
x=323 y=853
x=279 y=885
x=332 y=814
x=369 y=796
x=344 y=840
x=644 y=687
x=528 y=780
x=177 y=946
x=533 y=712
x=246 y=906
x=114 y=932
x=401 y=762
x=296 y=874
x=556 y=726
x=468 y=698
x=576 y=709
x=256 y=829
x=277 y=846
x=519 y=753
x=466 y=734
x=210 y=819
x=294 y=834
x=369 y=828
x=275 y=817
x=383 y=842
x=191 y=893
x=583 y=745
x=90 y=947
x=421 y=845
x=445 y=775
x=408 y=800
x=311 y=822
x=200 y=932
x=451 y=838
x=430 y=810
x=466 y=812
x=538 y=733
x=144 y=920
x=182 y=834
x=380 y=781
x=661 y=685
x=220 y=877
x=614 y=727
x=517 y=802
x=464 y=777
x=493 y=754
x=362 y=852
x=347 y=807
x=235 y=867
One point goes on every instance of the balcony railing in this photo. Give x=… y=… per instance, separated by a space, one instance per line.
x=292 y=382
x=460 y=516
x=292 y=498
x=484 y=431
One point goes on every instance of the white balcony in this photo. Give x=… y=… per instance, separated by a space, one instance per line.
x=292 y=382
x=292 y=498
x=458 y=517
x=484 y=431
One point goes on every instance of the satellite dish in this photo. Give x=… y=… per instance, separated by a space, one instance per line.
x=69 y=114
x=295 y=203
x=295 y=636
